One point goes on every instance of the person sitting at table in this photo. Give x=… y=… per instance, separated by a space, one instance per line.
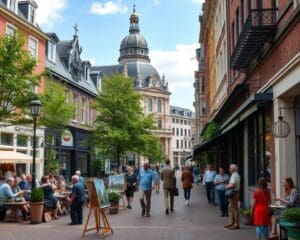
x=28 y=186
x=60 y=190
x=6 y=192
x=289 y=201
x=22 y=182
x=24 y=208
x=51 y=202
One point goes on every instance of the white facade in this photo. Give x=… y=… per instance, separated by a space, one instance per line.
x=16 y=149
x=183 y=127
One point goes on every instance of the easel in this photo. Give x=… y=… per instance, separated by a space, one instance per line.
x=101 y=221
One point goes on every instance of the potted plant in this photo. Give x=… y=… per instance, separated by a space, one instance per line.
x=291 y=220
x=36 y=205
x=114 y=198
x=247 y=214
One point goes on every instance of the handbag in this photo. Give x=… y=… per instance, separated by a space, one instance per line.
x=175 y=192
x=229 y=193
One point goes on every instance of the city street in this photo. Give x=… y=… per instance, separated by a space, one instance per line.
x=200 y=221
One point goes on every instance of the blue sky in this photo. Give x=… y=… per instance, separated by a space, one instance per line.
x=170 y=27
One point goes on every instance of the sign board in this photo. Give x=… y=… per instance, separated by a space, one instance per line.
x=67 y=138
x=97 y=193
x=107 y=166
x=116 y=182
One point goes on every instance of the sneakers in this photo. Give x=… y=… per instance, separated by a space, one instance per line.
x=148 y=214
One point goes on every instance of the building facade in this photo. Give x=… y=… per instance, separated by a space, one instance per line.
x=16 y=140
x=183 y=122
x=134 y=62
x=65 y=65
x=263 y=84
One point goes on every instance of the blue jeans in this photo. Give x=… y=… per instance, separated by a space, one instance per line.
x=262 y=232
x=223 y=202
x=187 y=193
x=210 y=193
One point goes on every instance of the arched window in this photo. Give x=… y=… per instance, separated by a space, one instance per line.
x=150 y=105
x=159 y=105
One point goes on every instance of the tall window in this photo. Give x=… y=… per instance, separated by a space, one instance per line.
x=159 y=105
x=203 y=108
x=7 y=139
x=159 y=124
x=83 y=110
x=51 y=51
x=181 y=132
x=177 y=132
x=185 y=134
x=75 y=102
x=173 y=131
x=181 y=143
x=185 y=144
x=202 y=84
x=33 y=47
x=189 y=132
x=177 y=143
x=150 y=105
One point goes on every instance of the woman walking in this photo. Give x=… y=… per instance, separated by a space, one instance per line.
x=187 y=184
x=131 y=181
x=156 y=179
x=261 y=201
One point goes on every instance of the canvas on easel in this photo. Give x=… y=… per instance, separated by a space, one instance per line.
x=98 y=196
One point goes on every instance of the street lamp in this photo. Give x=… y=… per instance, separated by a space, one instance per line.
x=35 y=109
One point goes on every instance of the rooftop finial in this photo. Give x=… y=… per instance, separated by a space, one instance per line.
x=76 y=28
x=134 y=7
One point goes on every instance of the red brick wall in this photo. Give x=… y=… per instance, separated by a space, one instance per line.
x=27 y=32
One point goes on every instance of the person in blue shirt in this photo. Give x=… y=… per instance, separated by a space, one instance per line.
x=208 y=182
x=76 y=200
x=146 y=177
x=220 y=181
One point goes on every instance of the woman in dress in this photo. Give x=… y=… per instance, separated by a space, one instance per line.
x=289 y=201
x=187 y=183
x=261 y=201
x=51 y=202
x=131 y=181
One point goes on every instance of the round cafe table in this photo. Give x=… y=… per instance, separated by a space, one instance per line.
x=13 y=215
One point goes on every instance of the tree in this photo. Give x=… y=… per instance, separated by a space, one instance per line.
x=56 y=114
x=121 y=125
x=16 y=77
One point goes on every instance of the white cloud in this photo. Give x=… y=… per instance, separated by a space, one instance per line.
x=178 y=66
x=198 y=1
x=109 y=7
x=50 y=11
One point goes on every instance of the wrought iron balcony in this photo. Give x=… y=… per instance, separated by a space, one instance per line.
x=258 y=28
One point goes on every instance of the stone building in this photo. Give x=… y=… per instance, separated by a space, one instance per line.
x=183 y=122
x=134 y=62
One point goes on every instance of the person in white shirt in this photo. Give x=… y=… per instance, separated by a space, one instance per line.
x=234 y=184
x=208 y=182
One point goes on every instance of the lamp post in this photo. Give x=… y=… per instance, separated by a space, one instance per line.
x=35 y=109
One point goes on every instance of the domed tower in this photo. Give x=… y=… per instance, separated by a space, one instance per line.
x=134 y=46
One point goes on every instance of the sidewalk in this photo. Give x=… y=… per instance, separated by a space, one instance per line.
x=200 y=221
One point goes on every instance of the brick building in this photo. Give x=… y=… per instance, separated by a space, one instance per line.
x=16 y=141
x=263 y=83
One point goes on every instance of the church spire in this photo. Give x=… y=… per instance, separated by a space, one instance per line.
x=134 y=22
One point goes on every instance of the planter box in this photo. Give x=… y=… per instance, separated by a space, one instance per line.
x=113 y=208
x=36 y=212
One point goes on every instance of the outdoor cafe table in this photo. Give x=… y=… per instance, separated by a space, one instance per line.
x=14 y=206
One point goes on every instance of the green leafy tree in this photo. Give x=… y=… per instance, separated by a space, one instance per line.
x=121 y=125
x=16 y=77
x=56 y=114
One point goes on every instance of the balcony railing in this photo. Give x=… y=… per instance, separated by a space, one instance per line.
x=258 y=28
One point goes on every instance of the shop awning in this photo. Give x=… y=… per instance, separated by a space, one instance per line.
x=14 y=157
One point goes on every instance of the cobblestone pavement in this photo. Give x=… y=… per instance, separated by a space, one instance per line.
x=199 y=221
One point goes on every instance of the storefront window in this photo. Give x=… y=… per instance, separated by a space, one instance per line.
x=7 y=139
